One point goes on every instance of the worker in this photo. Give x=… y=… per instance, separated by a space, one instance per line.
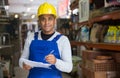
x=47 y=48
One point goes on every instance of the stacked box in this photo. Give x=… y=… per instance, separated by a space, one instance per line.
x=116 y=56
x=97 y=68
x=90 y=55
x=118 y=70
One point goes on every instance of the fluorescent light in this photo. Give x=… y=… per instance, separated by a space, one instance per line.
x=33 y=16
x=31 y=0
x=16 y=16
x=6 y=7
x=28 y=9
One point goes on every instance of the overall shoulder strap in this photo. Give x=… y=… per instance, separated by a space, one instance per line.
x=36 y=35
x=57 y=37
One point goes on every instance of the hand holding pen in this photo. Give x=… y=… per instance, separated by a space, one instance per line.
x=50 y=58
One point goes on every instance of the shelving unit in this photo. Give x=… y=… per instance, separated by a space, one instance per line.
x=8 y=41
x=112 y=16
x=104 y=46
x=7 y=52
x=108 y=17
x=95 y=49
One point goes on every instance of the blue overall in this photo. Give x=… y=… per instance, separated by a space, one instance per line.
x=38 y=50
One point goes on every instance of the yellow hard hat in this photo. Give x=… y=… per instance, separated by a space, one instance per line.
x=46 y=8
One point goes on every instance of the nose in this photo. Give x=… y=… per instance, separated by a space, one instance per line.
x=46 y=22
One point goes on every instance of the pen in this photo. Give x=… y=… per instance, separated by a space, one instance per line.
x=49 y=53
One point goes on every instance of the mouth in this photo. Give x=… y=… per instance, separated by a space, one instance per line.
x=47 y=26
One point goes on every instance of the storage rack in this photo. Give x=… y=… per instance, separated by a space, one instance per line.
x=108 y=17
x=112 y=17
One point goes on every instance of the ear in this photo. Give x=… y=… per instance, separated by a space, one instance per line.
x=39 y=23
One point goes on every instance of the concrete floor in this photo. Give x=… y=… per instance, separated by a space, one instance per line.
x=20 y=73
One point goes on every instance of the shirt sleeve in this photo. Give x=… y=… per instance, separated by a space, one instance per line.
x=25 y=52
x=65 y=63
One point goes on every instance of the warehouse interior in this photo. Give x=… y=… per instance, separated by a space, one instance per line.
x=92 y=26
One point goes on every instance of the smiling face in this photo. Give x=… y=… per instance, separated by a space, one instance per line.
x=47 y=23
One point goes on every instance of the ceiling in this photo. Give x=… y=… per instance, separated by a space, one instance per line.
x=26 y=8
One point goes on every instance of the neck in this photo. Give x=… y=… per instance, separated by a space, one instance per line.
x=46 y=36
x=47 y=33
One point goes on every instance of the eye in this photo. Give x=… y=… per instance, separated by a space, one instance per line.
x=42 y=19
x=50 y=18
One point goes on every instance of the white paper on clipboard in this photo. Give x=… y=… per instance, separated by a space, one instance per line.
x=35 y=64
